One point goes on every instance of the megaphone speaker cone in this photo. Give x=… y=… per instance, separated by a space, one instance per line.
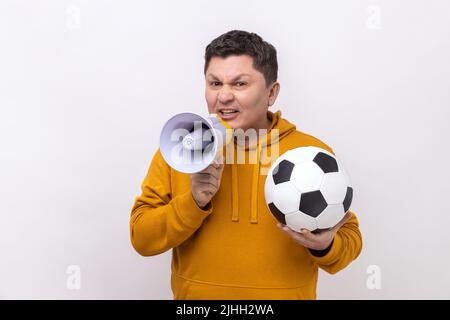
x=189 y=142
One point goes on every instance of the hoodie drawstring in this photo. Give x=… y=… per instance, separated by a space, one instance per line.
x=254 y=190
x=284 y=128
x=234 y=194
x=255 y=182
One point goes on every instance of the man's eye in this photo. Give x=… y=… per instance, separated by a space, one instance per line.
x=215 y=83
x=240 y=84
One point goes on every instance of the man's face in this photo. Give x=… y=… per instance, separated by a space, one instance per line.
x=237 y=92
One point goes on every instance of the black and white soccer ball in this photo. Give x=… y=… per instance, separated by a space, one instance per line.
x=308 y=188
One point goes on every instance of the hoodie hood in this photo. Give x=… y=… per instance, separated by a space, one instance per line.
x=278 y=130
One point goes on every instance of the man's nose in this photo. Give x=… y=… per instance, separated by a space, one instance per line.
x=225 y=95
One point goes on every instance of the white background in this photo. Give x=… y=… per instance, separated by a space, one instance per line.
x=86 y=86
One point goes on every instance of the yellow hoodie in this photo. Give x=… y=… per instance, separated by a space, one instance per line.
x=233 y=249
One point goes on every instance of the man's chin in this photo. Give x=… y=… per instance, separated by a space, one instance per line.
x=238 y=126
x=234 y=124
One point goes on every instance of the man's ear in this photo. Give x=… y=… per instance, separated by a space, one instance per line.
x=273 y=92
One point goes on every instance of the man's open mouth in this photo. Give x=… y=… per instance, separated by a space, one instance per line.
x=227 y=112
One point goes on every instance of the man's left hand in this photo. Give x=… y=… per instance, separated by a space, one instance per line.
x=315 y=241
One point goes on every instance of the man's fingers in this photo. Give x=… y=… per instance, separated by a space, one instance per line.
x=206 y=177
x=206 y=187
x=212 y=170
x=209 y=169
x=296 y=236
x=204 y=183
x=308 y=235
x=218 y=160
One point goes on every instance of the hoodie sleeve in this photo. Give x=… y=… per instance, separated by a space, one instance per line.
x=159 y=222
x=346 y=247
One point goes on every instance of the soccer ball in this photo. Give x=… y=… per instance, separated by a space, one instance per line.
x=307 y=188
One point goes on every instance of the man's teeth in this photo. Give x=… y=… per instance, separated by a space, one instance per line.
x=228 y=111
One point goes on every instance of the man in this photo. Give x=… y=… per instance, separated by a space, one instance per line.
x=226 y=244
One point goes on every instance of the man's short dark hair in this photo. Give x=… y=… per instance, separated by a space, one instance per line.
x=237 y=42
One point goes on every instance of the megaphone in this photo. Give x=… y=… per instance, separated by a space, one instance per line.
x=190 y=142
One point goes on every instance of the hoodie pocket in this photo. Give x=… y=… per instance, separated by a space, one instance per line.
x=185 y=289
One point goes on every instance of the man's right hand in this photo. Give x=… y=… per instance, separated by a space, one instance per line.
x=206 y=183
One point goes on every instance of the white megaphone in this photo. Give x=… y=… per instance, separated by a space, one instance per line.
x=189 y=142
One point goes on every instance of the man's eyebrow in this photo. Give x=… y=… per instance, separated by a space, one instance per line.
x=235 y=78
